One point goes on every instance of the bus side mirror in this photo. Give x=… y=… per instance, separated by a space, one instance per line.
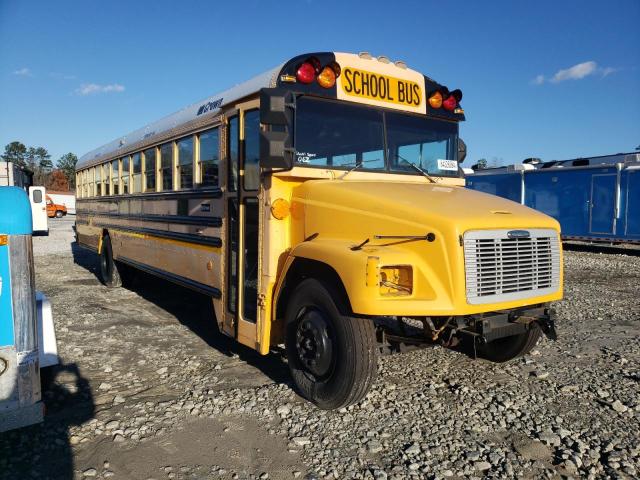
x=462 y=150
x=276 y=113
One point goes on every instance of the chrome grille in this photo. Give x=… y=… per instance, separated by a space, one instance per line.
x=499 y=268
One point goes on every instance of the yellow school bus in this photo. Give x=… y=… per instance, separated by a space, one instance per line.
x=321 y=206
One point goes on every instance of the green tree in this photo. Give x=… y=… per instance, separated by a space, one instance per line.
x=15 y=152
x=67 y=163
x=43 y=159
x=39 y=161
x=482 y=164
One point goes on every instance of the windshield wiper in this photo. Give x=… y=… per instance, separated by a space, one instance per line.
x=417 y=168
x=356 y=166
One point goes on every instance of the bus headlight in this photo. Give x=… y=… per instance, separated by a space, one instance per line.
x=396 y=280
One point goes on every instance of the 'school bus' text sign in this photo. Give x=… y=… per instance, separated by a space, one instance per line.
x=368 y=81
x=361 y=83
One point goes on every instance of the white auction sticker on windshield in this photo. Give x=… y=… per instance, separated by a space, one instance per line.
x=447 y=164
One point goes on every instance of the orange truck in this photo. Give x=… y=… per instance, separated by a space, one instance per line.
x=55 y=209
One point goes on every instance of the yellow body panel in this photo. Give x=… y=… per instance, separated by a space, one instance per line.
x=340 y=214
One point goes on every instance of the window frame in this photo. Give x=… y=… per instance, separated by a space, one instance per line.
x=124 y=175
x=132 y=188
x=199 y=163
x=387 y=163
x=230 y=174
x=153 y=169
x=243 y=147
x=115 y=177
x=181 y=165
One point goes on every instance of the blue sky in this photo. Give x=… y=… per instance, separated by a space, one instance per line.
x=552 y=79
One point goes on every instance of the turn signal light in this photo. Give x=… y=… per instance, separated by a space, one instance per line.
x=446 y=99
x=435 y=100
x=327 y=77
x=280 y=209
x=4 y=239
x=306 y=73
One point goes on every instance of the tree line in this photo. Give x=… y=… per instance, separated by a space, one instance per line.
x=37 y=160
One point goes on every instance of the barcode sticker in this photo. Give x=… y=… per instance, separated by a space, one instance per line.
x=447 y=164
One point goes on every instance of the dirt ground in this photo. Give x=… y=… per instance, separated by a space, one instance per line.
x=149 y=389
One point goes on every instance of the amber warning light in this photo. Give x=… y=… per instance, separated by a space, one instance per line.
x=442 y=98
x=311 y=69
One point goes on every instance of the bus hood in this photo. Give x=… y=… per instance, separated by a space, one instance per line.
x=341 y=219
x=357 y=209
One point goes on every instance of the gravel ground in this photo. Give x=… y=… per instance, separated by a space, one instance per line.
x=148 y=389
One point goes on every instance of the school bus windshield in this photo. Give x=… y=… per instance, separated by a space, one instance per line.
x=339 y=135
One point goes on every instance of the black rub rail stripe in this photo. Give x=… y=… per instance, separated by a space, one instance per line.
x=181 y=219
x=601 y=239
x=192 y=193
x=184 y=237
x=172 y=277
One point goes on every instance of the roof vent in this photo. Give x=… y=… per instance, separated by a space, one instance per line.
x=400 y=64
x=365 y=55
x=384 y=59
x=531 y=161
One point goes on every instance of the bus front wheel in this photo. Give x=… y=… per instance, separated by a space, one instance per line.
x=109 y=268
x=332 y=357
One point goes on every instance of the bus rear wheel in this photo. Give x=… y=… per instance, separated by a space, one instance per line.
x=110 y=270
x=332 y=357
x=514 y=346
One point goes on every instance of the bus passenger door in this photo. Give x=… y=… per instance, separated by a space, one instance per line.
x=242 y=245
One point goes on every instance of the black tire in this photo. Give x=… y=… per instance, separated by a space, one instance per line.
x=109 y=269
x=341 y=365
x=508 y=348
x=59 y=214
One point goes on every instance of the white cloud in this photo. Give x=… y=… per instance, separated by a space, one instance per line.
x=61 y=76
x=23 y=72
x=93 y=88
x=576 y=72
x=539 y=80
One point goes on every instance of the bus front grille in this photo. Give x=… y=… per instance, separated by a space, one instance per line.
x=503 y=265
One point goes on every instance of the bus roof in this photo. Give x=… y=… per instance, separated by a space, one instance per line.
x=202 y=110
x=364 y=79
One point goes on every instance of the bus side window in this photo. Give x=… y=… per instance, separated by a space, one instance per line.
x=107 y=178
x=124 y=181
x=209 y=159
x=232 y=167
x=150 y=170
x=166 y=166
x=252 y=150
x=115 y=167
x=98 y=181
x=136 y=164
x=185 y=162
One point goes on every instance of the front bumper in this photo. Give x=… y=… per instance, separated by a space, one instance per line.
x=493 y=326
